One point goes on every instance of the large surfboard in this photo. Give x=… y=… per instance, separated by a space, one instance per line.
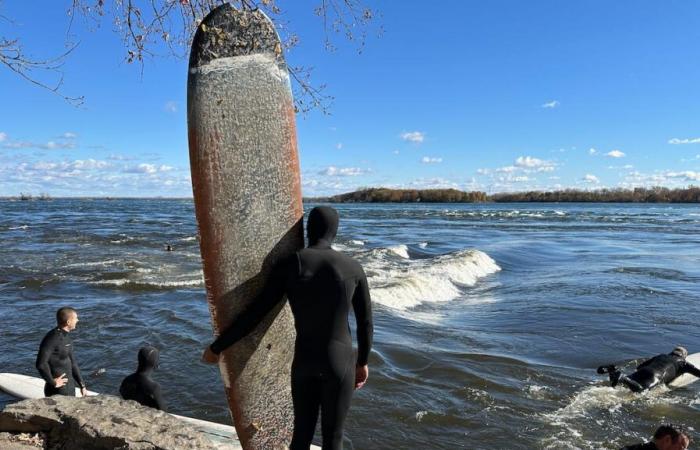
x=687 y=378
x=246 y=183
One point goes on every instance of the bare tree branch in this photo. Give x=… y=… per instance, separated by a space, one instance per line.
x=13 y=57
x=146 y=25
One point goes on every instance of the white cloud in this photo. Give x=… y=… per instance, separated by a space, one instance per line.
x=615 y=154
x=551 y=105
x=339 y=145
x=90 y=177
x=413 y=136
x=506 y=169
x=396 y=152
x=68 y=135
x=3 y=136
x=687 y=175
x=591 y=179
x=521 y=179
x=483 y=171
x=88 y=164
x=149 y=169
x=430 y=160
x=431 y=183
x=50 y=145
x=170 y=106
x=530 y=164
x=592 y=151
x=677 y=141
x=333 y=171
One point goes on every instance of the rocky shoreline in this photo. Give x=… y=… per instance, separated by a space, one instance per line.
x=99 y=422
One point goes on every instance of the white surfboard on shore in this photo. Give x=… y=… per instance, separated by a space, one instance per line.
x=26 y=387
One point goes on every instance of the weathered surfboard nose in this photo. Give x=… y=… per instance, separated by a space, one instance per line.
x=228 y=32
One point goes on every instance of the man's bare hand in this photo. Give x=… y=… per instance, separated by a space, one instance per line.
x=209 y=357
x=361 y=374
x=60 y=380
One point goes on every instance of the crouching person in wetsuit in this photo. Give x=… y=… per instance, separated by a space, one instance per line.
x=666 y=437
x=139 y=386
x=652 y=372
x=321 y=285
x=55 y=361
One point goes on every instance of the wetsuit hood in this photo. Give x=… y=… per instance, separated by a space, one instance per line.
x=322 y=226
x=681 y=352
x=148 y=358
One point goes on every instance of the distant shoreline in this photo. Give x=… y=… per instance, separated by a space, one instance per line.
x=690 y=194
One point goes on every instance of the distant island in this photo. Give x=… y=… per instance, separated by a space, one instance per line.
x=690 y=194
x=637 y=195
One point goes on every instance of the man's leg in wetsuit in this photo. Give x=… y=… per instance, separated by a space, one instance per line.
x=640 y=380
x=335 y=403
x=306 y=397
x=631 y=384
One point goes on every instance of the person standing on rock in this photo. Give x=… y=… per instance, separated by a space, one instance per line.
x=55 y=361
x=322 y=285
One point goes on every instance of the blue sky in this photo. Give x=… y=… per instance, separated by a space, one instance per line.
x=491 y=95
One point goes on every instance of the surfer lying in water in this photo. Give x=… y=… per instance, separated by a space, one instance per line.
x=321 y=285
x=652 y=372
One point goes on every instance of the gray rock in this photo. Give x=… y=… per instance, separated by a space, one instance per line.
x=21 y=441
x=100 y=422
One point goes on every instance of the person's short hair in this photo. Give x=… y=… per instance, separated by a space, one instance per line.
x=680 y=351
x=668 y=430
x=63 y=314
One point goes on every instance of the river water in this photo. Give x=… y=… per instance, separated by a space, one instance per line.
x=490 y=319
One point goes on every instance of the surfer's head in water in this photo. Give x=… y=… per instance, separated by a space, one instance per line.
x=670 y=437
x=148 y=358
x=681 y=352
x=322 y=226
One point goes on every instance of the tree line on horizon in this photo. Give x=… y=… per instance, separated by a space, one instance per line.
x=690 y=194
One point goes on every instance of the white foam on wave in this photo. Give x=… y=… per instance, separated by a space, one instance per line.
x=21 y=227
x=107 y=262
x=423 y=245
x=596 y=404
x=149 y=283
x=400 y=250
x=357 y=242
x=403 y=284
x=189 y=239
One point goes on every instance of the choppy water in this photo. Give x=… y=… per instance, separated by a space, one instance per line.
x=489 y=319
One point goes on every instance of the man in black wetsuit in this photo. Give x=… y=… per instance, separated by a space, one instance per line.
x=55 y=361
x=652 y=372
x=139 y=386
x=321 y=285
x=666 y=437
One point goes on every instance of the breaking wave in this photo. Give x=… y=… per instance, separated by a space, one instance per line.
x=405 y=283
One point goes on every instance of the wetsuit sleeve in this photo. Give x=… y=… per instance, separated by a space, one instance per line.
x=272 y=293
x=42 y=358
x=691 y=369
x=75 y=370
x=158 y=398
x=362 y=305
